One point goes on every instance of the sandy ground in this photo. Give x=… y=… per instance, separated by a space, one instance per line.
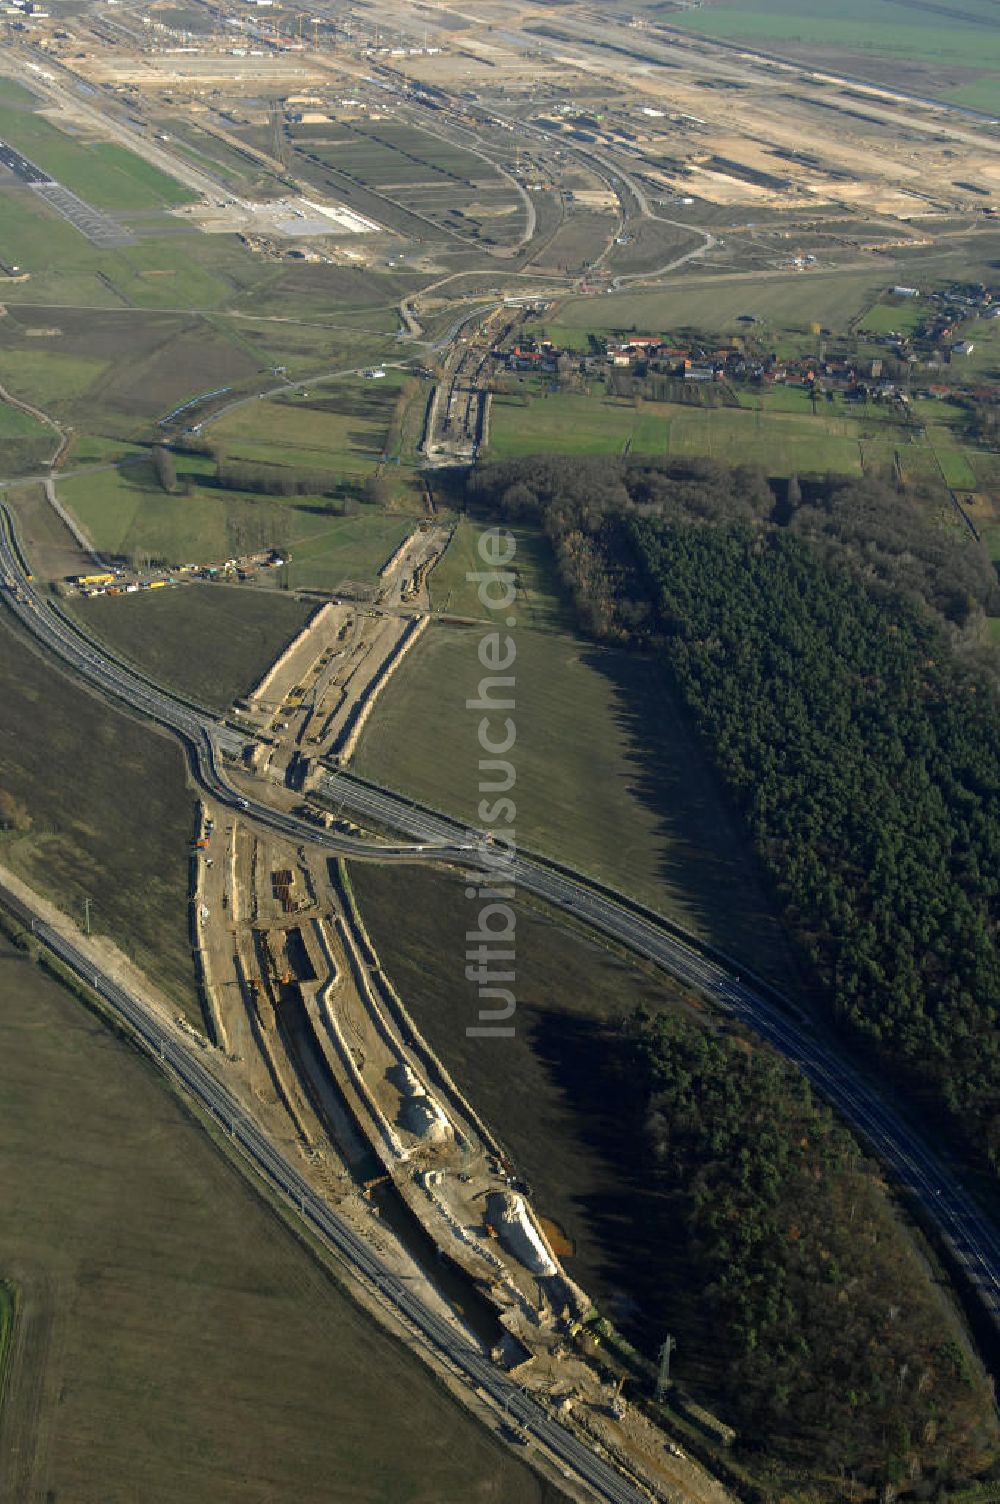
x=320 y=1046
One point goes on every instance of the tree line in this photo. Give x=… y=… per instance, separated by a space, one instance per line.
x=831 y=1351
x=827 y=641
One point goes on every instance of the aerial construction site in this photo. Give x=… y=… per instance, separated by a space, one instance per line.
x=304 y=314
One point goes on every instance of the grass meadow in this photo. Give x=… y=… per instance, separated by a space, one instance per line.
x=608 y=775
x=538 y=603
x=209 y=642
x=777 y=430
x=111 y=815
x=832 y=299
x=126 y=514
x=25 y=443
x=341 y=426
x=882 y=30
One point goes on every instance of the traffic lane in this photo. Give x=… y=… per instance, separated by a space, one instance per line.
x=967 y=1229
x=244 y=1130
x=643 y=936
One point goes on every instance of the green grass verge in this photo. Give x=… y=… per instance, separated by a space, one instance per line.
x=105 y=175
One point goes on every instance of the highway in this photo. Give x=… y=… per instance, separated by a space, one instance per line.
x=433 y=836
x=970 y=1235
x=183 y=1059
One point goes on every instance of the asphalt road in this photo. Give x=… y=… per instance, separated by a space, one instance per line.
x=968 y=1232
x=965 y=1229
x=185 y=1062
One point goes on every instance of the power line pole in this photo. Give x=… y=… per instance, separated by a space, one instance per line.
x=86 y=914
x=663 y=1378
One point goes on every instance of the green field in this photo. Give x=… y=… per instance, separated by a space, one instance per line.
x=13 y=93
x=94 y=448
x=898 y=317
x=831 y=299
x=209 y=642
x=955 y=33
x=111 y=340
x=8 y=1314
x=45 y=375
x=539 y=604
x=105 y=175
x=127 y=515
x=982 y=95
x=111 y=815
x=572 y=423
x=983 y=363
x=341 y=426
x=25 y=443
x=66 y=269
x=608 y=776
x=346 y=548
x=176 y=1343
x=776 y=429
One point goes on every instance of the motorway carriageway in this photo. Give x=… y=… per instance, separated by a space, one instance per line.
x=123 y=684
x=969 y=1235
x=182 y=1058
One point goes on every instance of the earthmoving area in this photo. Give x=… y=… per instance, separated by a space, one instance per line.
x=313 y=1037
x=324 y=1042
x=313 y=702
x=463 y=129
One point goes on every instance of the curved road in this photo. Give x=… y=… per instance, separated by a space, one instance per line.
x=447 y=1340
x=968 y=1233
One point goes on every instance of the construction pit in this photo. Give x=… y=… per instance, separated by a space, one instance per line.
x=315 y=699
x=313 y=1037
x=298 y=999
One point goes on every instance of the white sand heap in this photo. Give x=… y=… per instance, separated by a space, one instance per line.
x=419 y=1113
x=518 y=1233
